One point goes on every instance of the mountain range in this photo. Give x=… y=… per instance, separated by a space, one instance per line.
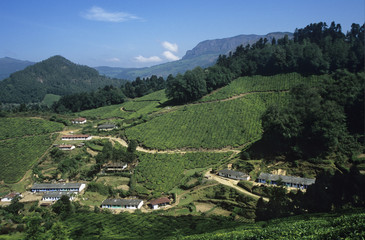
x=204 y=55
x=10 y=65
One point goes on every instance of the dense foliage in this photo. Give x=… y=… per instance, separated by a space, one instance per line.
x=325 y=226
x=55 y=75
x=89 y=100
x=317 y=120
x=316 y=49
x=330 y=192
x=141 y=87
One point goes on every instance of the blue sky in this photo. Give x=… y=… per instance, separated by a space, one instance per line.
x=138 y=33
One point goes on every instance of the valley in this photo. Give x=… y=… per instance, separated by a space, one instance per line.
x=266 y=143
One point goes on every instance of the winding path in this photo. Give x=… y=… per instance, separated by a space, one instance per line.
x=233 y=184
x=141 y=149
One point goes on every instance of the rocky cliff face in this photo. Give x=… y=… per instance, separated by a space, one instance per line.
x=225 y=45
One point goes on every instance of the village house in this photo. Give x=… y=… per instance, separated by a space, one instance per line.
x=79 y=121
x=55 y=196
x=233 y=174
x=107 y=127
x=66 y=147
x=115 y=167
x=9 y=197
x=122 y=203
x=58 y=187
x=157 y=203
x=289 y=181
x=76 y=137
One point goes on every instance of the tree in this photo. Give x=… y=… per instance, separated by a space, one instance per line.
x=59 y=232
x=33 y=226
x=132 y=146
x=63 y=207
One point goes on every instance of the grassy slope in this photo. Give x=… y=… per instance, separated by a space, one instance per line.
x=211 y=125
x=315 y=226
x=132 y=109
x=25 y=142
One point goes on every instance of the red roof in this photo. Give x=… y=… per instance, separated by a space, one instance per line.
x=11 y=195
x=160 y=201
x=65 y=146
x=80 y=119
x=76 y=136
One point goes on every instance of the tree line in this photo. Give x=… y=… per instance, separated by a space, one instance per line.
x=108 y=95
x=317 y=121
x=315 y=49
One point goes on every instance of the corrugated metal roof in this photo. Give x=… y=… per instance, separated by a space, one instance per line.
x=160 y=201
x=57 y=194
x=55 y=185
x=287 y=179
x=121 y=202
x=233 y=173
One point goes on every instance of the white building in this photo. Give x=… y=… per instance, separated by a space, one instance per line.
x=66 y=147
x=233 y=174
x=122 y=203
x=58 y=187
x=76 y=137
x=79 y=121
x=55 y=196
x=9 y=197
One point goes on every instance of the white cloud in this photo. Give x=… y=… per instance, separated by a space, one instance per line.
x=113 y=59
x=170 y=46
x=170 y=56
x=148 y=59
x=99 y=14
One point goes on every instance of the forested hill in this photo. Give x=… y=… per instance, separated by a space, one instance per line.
x=10 y=65
x=56 y=75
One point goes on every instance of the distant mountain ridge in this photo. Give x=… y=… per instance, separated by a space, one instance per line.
x=225 y=45
x=10 y=65
x=204 y=55
x=55 y=75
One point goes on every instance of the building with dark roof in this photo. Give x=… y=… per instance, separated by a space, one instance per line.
x=289 y=181
x=115 y=166
x=157 y=203
x=233 y=174
x=107 y=127
x=120 y=203
x=76 y=137
x=58 y=187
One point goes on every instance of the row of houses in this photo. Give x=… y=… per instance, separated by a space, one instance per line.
x=267 y=178
x=119 y=203
x=76 y=137
x=289 y=181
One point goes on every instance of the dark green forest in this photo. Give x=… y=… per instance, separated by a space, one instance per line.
x=55 y=75
x=315 y=49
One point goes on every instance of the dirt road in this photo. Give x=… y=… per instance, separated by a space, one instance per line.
x=233 y=184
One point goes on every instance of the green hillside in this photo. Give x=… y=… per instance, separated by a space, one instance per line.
x=222 y=121
x=22 y=143
x=130 y=109
x=55 y=75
